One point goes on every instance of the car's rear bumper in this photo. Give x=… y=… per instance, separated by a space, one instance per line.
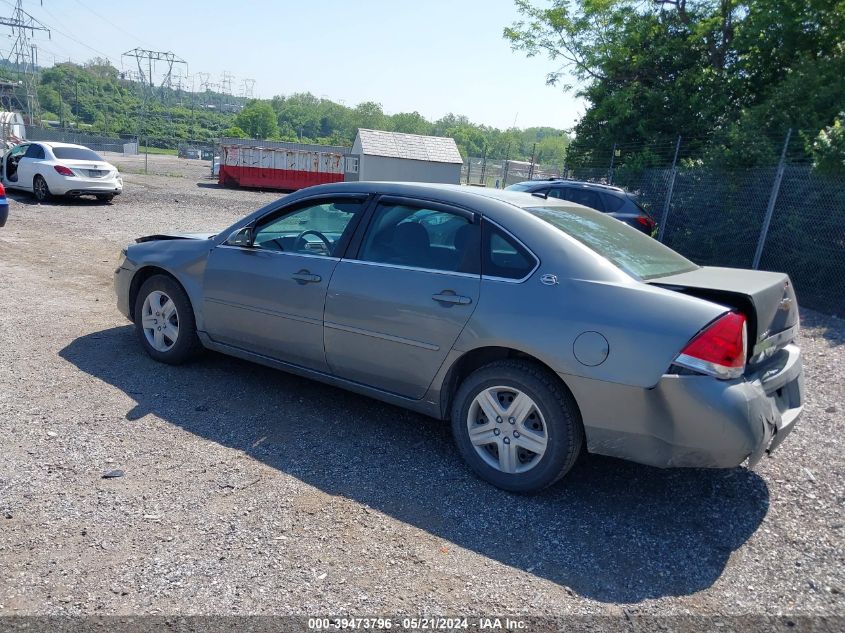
x=86 y=186
x=694 y=421
x=4 y=211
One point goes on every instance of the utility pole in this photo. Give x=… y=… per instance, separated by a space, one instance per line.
x=531 y=168
x=674 y=171
x=770 y=208
x=24 y=56
x=610 y=171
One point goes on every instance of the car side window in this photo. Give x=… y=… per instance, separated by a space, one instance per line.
x=503 y=256
x=585 y=197
x=421 y=237
x=35 y=151
x=557 y=192
x=315 y=229
x=612 y=203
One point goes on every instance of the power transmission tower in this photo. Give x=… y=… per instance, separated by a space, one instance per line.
x=24 y=56
x=226 y=82
x=148 y=58
x=247 y=88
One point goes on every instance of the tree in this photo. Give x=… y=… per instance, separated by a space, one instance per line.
x=258 y=120
x=713 y=71
x=829 y=148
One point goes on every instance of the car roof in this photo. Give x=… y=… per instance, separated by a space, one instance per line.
x=574 y=183
x=57 y=144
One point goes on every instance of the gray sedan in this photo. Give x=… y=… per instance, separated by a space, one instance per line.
x=536 y=326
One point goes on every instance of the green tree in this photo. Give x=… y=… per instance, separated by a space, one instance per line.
x=715 y=71
x=829 y=148
x=258 y=120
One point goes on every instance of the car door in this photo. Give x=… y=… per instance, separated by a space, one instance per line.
x=10 y=164
x=398 y=301
x=265 y=286
x=28 y=165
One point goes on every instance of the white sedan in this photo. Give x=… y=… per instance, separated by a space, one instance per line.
x=60 y=169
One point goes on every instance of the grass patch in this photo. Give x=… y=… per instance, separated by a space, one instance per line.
x=143 y=149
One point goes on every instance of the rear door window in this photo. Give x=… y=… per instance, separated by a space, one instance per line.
x=612 y=203
x=584 y=196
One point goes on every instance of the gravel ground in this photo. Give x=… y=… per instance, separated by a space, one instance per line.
x=246 y=490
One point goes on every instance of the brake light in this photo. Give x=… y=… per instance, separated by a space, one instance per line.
x=645 y=221
x=64 y=171
x=719 y=350
x=2 y=189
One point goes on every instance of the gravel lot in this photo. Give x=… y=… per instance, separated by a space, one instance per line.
x=247 y=490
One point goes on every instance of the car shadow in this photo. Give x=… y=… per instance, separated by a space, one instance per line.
x=20 y=197
x=611 y=531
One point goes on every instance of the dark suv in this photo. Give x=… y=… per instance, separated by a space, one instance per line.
x=611 y=200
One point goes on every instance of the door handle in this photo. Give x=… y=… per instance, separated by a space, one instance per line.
x=451 y=297
x=305 y=277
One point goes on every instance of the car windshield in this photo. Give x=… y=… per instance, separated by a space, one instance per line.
x=635 y=253
x=76 y=153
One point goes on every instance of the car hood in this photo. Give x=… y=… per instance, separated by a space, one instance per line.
x=175 y=236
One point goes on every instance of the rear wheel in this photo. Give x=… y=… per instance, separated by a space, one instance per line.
x=516 y=425
x=105 y=197
x=164 y=321
x=40 y=188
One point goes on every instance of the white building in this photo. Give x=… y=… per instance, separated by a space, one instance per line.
x=378 y=155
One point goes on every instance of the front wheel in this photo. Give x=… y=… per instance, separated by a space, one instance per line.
x=164 y=321
x=40 y=189
x=516 y=425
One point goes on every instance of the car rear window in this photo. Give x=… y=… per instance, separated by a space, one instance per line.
x=76 y=153
x=629 y=250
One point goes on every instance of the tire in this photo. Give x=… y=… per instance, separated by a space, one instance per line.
x=170 y=338
x=40 y=188
x=107 y=197
x=548 y=422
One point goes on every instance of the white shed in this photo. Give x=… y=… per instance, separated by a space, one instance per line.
x=405 y=157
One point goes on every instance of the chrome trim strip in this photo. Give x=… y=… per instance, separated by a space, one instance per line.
x=283 y=315
x=253 y=249
x=380 y=335
x=422 y=270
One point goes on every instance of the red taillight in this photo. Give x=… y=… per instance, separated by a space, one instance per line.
x=719 y=350
x=647 y=222
x=64 y=171
x=2 y=189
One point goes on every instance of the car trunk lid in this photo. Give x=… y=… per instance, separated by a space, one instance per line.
x=767 y=300
x=89 y=168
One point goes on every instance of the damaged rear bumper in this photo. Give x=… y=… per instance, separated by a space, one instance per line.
x=694 y=421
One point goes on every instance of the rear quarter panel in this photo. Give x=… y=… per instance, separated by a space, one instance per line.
x=645 y=328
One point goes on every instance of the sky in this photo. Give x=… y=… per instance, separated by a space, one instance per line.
x=433 y=57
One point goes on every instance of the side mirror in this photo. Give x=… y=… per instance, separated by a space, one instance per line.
x=242 y=237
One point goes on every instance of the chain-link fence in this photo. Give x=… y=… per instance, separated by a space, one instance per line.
x=96 y=142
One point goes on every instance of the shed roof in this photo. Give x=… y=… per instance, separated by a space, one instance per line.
x=438 y=149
